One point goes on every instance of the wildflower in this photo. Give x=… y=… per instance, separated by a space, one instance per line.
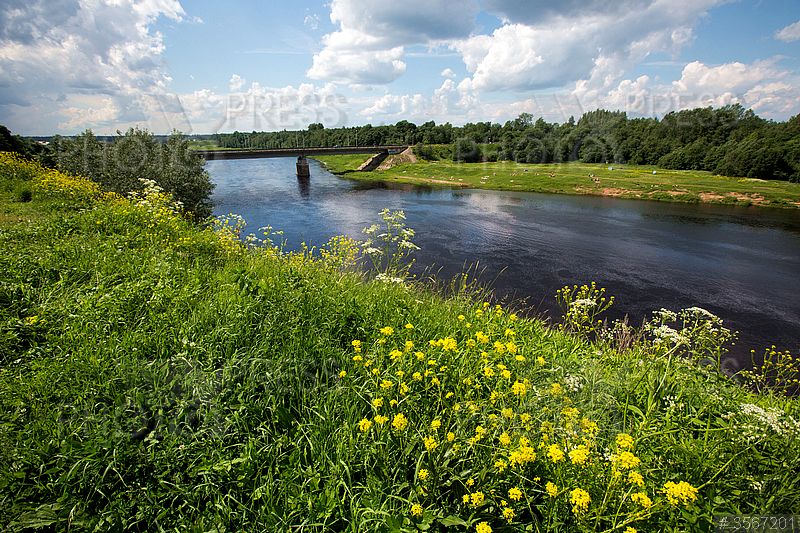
x=506 y=374
x=400 y=422
x=470 y=482
x=430 y=443
x=499 y=347
x=448 y=344
x=500 y=465
x=483 y=527
x=554 y=453
x=404 y=388
x=627 y=460
x=436 y=424
x=365 y=424
x=681 y=492
x=519 y=388
x=392 y=403
x=342 y=373
x=504 y=439
x=512 y=348
x=635 y=478
x=551 y=489
x=488 y=371
x=512 y=317
x=409 y=326
x=386 y=384
x=380 y=419
x=450 y=436
x=356 y=345
x=477 y=499
x=423 y=474
x=377 y=403
x=507 y=413
x=461 y=318
x=508 y=514
x=416 y=510
x=395 y=355
x=524 y=418
x=420 y=356
x=580 y=500
x=400 y=374
x=481 y=337
x=387 y=331
x=556 y=389
x=540 y=361
x=624 y=441
x=579 y=455
x=629 y=529
x=510 y=332
x=357 y=358
x=642 y=499
x=523 y=454
x=514 y=494
x=416 y=376
x=465 y=498
x=408 y=346
x=435 y=381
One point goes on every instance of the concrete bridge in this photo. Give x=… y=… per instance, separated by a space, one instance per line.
x=210 y=155
x=300 y=153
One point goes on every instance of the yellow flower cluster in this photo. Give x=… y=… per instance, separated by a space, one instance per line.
x=680 y=493
x=580 y=501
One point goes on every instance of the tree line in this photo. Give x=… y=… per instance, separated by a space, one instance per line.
x=729 y=140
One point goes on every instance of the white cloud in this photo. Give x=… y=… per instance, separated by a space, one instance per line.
x=62 y=51
x=236 y=82
x=370 y=44
x=544 y=45
x=448 y=73
x=790 y=33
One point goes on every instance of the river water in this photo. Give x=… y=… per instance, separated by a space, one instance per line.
x=743 y=264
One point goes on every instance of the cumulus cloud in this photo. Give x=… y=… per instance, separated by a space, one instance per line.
x=369 y=46
x=102 y=56
x=544 y=45
x=448 y=73
x=790 y=33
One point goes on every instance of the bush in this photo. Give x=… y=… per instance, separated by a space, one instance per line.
x=134 y=156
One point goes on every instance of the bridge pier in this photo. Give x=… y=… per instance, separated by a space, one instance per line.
x=302 y=167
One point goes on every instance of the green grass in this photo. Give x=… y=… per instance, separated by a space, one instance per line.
x=157 y=376
x=339 y=164
x=625 y=181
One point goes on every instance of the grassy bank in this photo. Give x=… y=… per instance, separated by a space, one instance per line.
x=159 y=376
x=624 y=181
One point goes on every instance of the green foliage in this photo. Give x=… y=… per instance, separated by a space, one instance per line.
x=135 y=155
x=581 y=307
x=389 y=247
x=160 y=376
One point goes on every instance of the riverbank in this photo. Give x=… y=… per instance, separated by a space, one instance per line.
x=157 y=375
x=620 y=181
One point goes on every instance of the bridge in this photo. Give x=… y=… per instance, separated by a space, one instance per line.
x=300 y=153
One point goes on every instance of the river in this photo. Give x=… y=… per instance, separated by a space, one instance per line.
x=743 y=264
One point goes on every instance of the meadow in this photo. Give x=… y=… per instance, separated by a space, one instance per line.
x=159 y=375
x=622 y=181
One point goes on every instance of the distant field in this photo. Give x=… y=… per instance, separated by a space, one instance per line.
x=339 y=164
x=623 y=181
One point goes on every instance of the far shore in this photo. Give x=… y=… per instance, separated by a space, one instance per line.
x=613 y=180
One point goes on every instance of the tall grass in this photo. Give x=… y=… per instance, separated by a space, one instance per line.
x=159 y=376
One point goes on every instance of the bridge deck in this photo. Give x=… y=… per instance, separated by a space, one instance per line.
x=295 y=152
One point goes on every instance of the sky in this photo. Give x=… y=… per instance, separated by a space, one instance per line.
x=201 y=66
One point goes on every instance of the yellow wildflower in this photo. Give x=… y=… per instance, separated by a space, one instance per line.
x=409 y=326
x=511 y=348
x=508 y=514
x=514 y=494
x=504 y=439
x=499 y=347
x=395 y=355
x=481 y=337
x=681 y=492
x=448 y=344
x=423 y=474
x=627 y=460
x=580 y=500
x=477 y=499
x=488 y=372
x=408 y=346
x=377 y=403
x=357 y=358
x=506 y=374
x=624 y=441
x=436 y=424
x=519 y=388
x=416 y=510
x=579 y=455
x=393 y=403
x=483 y=527
x=342 y=373
x=365 y=424
x=386 y=384
x=461 y=317
x=629 y=530
x=387 y=331
x=416 y=376
x=635 y=478
x=450 y=436
x=540 y=361
x=400 y=422
x=551 y=489
x=500 y=465
x=554 y=453
x=430 y=443
x=642 y=499
x=470 y=482
x=556 y=389
x=380 y=419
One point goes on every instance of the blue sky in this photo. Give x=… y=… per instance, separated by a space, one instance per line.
x=204 y=67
